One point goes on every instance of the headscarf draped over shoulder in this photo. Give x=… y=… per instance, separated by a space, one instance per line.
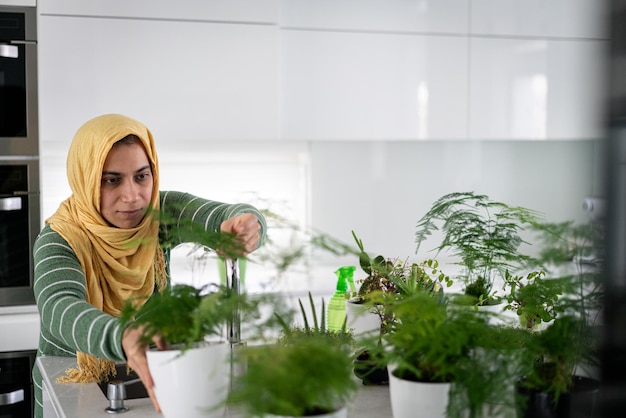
x=119 y=264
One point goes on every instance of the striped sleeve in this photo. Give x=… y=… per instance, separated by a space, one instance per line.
x=208 y=213
x=68 y=322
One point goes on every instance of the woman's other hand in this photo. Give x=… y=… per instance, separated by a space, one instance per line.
x=136 y=358
x=246 y=227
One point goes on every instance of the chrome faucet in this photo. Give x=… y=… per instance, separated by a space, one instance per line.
x=233 y=282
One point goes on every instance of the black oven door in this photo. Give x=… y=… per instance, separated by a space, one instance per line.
x=19 y=226
x=16 y=387
x=18 y=81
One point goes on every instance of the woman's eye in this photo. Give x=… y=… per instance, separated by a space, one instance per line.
x=109 y=180
x=143 y=176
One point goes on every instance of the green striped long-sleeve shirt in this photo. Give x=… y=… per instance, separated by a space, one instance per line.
x=68 y=322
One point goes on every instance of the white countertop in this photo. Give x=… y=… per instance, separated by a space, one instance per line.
x=77 y=400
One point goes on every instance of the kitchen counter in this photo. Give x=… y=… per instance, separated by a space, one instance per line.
x=75 y=400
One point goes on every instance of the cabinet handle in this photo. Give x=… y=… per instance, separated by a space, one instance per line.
x=8 y=51
x=10 y=203
x=12 y=397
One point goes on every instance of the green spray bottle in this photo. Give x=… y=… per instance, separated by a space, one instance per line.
x=337 y=305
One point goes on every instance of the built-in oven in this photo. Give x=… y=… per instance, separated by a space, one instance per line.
x=19 y=125
x=19 y=226
x=16 y=384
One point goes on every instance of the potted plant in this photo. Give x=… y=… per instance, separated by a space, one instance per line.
x=533 y=298
x=551 y=384
x=389 y=277
x=559 y=362
x=307 y=372
x=436 y=358
x=483 y=234
x=192 y=377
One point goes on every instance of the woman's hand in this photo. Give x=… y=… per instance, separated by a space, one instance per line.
x=246 y=227
x=135 y=352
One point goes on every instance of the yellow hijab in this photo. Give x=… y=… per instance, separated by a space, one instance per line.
x=119 y=264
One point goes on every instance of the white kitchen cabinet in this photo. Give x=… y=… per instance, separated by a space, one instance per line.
x=213 y=10
x=433 y=16
x=542 y=18
x=342 y=85
x=32 y=3
x=184 y=80
x=536 y=89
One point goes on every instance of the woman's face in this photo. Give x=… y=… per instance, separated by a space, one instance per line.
x=126 y=185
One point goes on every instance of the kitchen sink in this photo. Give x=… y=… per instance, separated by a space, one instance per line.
x=134 y=390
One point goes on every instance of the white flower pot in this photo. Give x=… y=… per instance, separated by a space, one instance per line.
x=410 y=399
x=361 y=319
x=192 y=383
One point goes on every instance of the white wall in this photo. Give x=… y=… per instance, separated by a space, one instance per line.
x=356 y=113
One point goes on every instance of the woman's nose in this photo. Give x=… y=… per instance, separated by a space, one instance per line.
x=129 y=191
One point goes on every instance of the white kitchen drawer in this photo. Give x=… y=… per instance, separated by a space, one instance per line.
x=184 y=80
x=19 y=328
x=543 y=18
x=32 y=3
x=338 y=85
x=216 y=10
x=436 y=16
x=536 y=89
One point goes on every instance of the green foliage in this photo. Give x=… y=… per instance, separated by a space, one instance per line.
x=305 y=378
x=307 y=372
x=566 y=241
x=399 y=277
x=292 y=334
x=303 y=243
x=551 y=356
x=396 y=279
x=174 y=230
x=433 y=342
x=533 y=298
x=483 y=234
x=183 y=315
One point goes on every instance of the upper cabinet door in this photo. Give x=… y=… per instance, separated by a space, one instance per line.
x=432 y=16
x=184 y=80
x=215 y=10
x=537 y=89
x=338 y=85
x=542 y=18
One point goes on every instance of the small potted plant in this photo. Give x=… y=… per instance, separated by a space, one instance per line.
x=307 y=372
x=191 y=377
x=435 y=357
x=389 y=277
x=559 y=363
x=483 y=234
x=551 y=384
x=533 y=298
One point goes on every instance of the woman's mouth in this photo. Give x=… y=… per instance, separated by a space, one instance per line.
x=130 y=214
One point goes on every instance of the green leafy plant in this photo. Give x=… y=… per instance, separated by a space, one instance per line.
x=396 y=277
x=483 y=234
x=183 y=315
x=533 y=298
x=291 y=245
x=291 y=334
x=431 y=341
x=308 y=371
x=552 y=357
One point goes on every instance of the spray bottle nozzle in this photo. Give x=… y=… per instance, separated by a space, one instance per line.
x=345 y=277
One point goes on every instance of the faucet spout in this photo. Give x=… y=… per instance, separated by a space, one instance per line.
x=233 y=282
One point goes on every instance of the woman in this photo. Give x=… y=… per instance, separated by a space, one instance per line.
x=106 y=243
